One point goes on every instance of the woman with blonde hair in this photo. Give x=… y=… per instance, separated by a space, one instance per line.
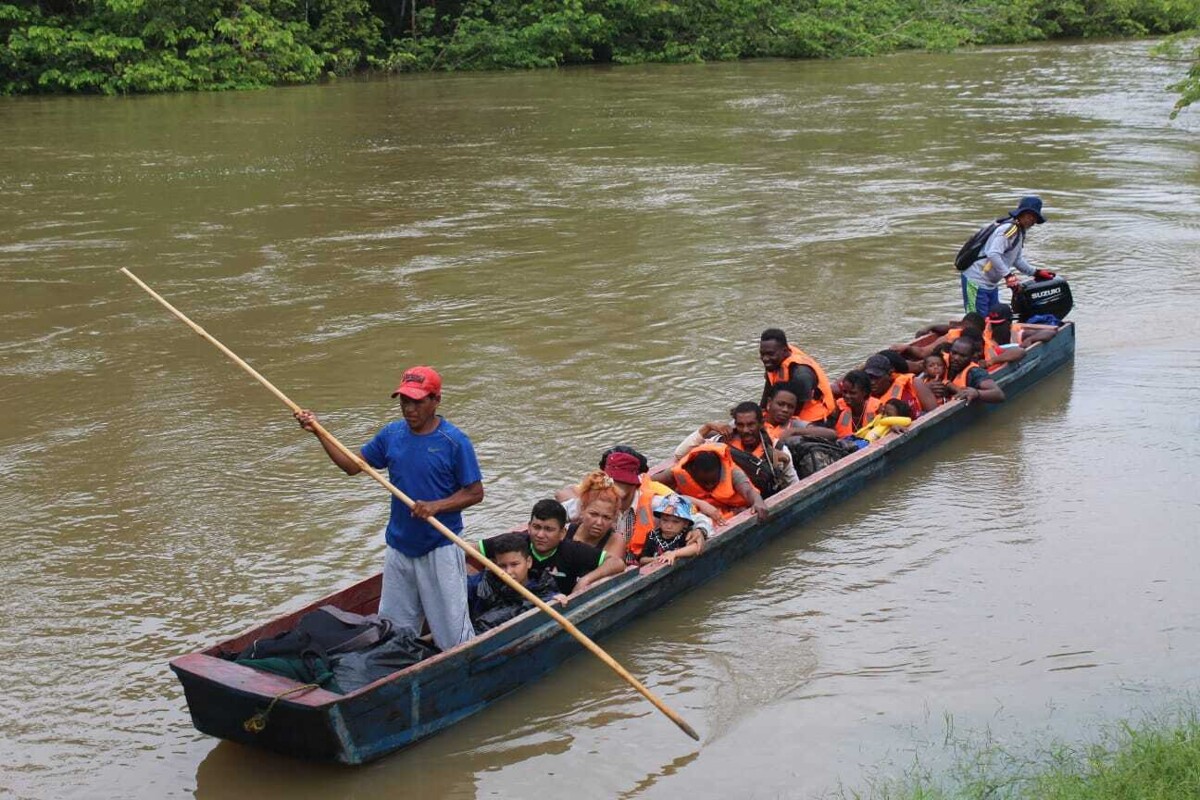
x=599 y=502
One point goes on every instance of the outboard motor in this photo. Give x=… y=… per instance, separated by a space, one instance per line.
x=1043 y=297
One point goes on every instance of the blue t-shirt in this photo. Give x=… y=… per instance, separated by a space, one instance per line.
x=428 y=467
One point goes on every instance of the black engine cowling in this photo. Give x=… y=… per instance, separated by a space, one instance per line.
x=1043 y=297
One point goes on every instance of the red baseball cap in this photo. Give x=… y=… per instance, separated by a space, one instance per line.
x=418 y=383
x=622 y=468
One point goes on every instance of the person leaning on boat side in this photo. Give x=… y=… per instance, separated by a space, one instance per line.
x=946 y=334
x=1001 y=257
x=769 y=470
x=708 y=473
x=434 y=463
x=965 y=379
x=886 y=384
x=575 y=566
x=1006 y=332
x=786 y=363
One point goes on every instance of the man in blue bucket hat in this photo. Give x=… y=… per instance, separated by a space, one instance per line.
x=1000 y=258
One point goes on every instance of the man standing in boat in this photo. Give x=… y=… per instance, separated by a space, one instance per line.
x=433 y=462
x=1001 y=258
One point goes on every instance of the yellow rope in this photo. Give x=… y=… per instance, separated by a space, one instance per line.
x=258 y=722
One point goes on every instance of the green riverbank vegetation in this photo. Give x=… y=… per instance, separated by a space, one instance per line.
x=1155 y=759
x=128 y=46
x=1176 y=48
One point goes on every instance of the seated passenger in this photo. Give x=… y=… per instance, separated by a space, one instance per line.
x=767 y=463
x=491 y=601
x=965 y=379
x=599 y=499
x=1006 y=341
x=934 y=373
x=574 y=565
x=900 y=364
x=780 y=421
x=894 y=417
x=786 y=363
x=709 y=474
x=946 y=334
x=995 y=353
x=856 y=407
x=669 y=540
x=887 y=385
x=1005 y=331
x=934 y=370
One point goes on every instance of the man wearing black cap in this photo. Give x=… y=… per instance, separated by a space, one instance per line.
x=1001 y=257
x=888 y=384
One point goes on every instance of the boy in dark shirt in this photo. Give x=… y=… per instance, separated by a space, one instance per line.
x=493 y=602
x=573 y=565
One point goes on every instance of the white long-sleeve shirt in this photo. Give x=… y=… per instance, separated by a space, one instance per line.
x=1000 y=256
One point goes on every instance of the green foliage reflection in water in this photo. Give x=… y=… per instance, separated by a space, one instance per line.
x=122 y=46
x=1158 y=758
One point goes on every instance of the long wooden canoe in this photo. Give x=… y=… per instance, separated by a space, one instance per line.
x=409 y=705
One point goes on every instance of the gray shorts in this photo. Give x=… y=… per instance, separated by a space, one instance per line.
x=432 y=587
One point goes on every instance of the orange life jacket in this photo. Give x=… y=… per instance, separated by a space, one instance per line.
x=989 y=342
x=776 y=432
x=901 y=389
x=724 y=496
x=844 y=424
x=736 y=441
x=810 y=410
x=643 y=513
x=959 y=380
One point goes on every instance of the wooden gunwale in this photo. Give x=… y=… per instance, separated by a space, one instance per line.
x=599 y=611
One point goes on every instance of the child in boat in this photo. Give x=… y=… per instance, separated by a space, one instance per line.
x=894 y=417
x=935 y=369
x=668 y=540
x=934 y=373
x=491 y=601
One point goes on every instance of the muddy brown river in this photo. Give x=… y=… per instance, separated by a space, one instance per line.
x=588 y=256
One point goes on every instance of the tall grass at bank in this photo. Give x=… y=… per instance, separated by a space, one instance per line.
x=1156 y=759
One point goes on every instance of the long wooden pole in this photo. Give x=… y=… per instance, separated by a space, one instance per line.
x=434 y=521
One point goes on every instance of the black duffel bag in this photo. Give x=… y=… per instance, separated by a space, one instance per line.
x=814 y=455
x=327 y=631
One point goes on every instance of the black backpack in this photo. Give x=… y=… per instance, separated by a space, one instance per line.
x=968 y=254
x=758 y=470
